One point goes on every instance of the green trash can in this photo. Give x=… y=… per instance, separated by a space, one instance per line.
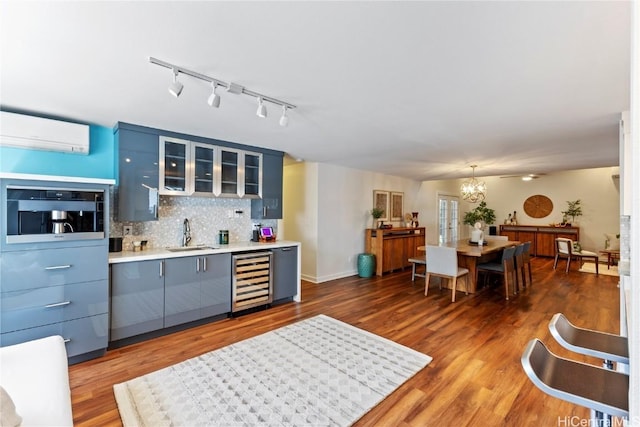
x=366 y=265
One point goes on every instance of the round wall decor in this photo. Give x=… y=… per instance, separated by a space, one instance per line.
x=538 y=206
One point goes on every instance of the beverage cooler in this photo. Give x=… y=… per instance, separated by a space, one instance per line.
x=252 y=283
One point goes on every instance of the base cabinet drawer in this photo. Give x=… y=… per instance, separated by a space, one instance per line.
x=42 y=306
x=81 y=335
x=52 y=267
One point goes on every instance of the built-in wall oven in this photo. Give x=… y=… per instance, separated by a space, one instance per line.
x=42 y=214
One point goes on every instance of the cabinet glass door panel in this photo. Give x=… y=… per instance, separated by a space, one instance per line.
x=252 y=174
x=203 y=163
x=174 y=168
x=229 y=172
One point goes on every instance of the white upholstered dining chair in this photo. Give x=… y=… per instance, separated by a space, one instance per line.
x=443 y=262
x=564 y=249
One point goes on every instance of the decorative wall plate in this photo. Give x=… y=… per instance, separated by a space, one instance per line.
x=538 y=206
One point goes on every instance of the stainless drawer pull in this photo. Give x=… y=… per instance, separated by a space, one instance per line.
x=286 y=249
x=57 y=267
x=197 y=265
x=66 y=340
x=204 y=264
x=58 y=304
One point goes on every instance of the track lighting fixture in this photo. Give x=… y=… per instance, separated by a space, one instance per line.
x=262 y=109
x=175 y=88
x=284 y=120
x=214 y=98
x=233 y=88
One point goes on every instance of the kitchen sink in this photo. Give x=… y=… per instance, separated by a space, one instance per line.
x=190 y=248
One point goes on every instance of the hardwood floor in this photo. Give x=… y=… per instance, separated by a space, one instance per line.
x=475 y=378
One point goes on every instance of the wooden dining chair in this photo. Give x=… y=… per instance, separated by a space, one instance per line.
x=443 y=262
x=526 y=264
x=564 y=249
x=506 y=267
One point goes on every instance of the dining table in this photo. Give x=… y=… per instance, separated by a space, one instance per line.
x=471 y=254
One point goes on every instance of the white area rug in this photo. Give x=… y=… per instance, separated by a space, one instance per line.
x=316 y=372
x=589 y=267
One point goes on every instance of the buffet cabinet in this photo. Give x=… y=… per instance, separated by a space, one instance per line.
x=542 y=238
x=393 y=247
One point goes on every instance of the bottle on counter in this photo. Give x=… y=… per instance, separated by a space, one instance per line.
x=223 y=237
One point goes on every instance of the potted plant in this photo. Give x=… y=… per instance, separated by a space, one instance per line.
x=376 y=213
x=478 y=219
x=573 y=210
x=481 y=214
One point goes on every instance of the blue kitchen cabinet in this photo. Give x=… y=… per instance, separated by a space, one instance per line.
x=137 y=298
x=215 y=285
x=138 y=173
x=269 y=206
x=62 y=291
x=285 y=272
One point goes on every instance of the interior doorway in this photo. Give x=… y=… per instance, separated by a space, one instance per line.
x=448 y=218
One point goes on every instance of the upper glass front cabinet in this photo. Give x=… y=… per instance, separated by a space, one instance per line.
x=188 y=167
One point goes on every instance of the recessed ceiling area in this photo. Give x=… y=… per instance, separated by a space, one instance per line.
x=414 y=89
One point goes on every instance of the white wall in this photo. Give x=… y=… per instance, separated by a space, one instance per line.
x=332 y=229
x=598 y=192
x=327 y=208
x=300 y=213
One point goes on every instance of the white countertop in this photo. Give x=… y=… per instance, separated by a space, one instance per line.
x=58 y=178
x=163 y=253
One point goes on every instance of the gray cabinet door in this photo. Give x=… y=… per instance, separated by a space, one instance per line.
x=270 y=205
x=137 y=298
x=215 y=291
x=181 y=290
x=138 y=176
x=285 y=272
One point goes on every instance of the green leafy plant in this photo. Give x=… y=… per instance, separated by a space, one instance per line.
x=481 y=213
x=377 y=213
x=573 y=210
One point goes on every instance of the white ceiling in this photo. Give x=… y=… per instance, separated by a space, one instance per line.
x=415 y=89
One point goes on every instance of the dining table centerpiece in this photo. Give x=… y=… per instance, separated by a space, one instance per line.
x=479 y=218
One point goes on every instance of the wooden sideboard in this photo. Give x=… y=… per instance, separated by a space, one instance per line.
x=542 y=237
x=393 y=247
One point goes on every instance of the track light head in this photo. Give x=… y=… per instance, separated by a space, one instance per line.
x=176 y=87
x=262 y=109
x=214 y=98
x=284 y=120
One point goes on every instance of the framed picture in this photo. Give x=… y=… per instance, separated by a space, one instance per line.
x=397 y=206
x=381 y=201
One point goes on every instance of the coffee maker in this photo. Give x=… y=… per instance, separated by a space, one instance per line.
x=59 y=221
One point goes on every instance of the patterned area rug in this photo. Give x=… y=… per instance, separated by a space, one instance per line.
x=316 y=372
x=589 y=267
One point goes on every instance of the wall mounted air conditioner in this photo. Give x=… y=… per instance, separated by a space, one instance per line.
x=22 y=131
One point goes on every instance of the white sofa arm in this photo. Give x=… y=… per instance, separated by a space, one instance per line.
x=36 y=376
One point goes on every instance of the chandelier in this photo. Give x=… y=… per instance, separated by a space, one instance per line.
x=472 y=190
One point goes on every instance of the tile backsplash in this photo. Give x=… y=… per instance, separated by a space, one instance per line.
x=206 y=215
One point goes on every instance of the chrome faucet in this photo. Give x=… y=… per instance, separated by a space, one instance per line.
x=186 y=232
